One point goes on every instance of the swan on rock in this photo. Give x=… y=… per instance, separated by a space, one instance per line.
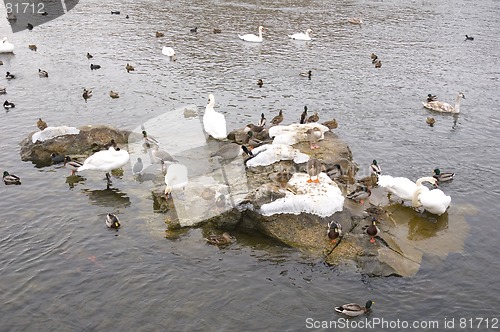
x=443 y=107
x=253 y=38
x=301 y=36
x=214 y=122
x=106 y=161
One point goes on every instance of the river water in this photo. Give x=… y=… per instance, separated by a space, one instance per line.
x=61 y=269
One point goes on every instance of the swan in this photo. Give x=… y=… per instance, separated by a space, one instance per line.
x=402 y=187
x=355 y=20
x=435 y=201
x=176 y=178
x=214 y=122
x=6 y=46
x=301 y=36
x=253 y=38
x=106 y=160
x=51 y=132
x=443 y=107
x=169 y=51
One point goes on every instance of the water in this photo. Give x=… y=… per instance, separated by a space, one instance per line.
x=63 y=270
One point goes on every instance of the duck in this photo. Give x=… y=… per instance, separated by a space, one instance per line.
x=114 y=94
x=355 y=20
x=6 y=46
x=175 y=178
x=277 y=119
x=89 y=56
x=251 y=141
x=378 y=63
x=112 y=221
x=148 y=140
x=42 y=73
x=7 y=104
x=359 y=194
x=193 y=30
x=469 y=38
x=282 y=177
x=138 y=166
x=439 y=106
x=313 y=167
x=301 y=36
x=86 y=94
x=313 y=135
x=253 y=38
x=431 y=97
x=434 y=201
x=331 y=124
x=313 y=118
x=41 y=124
x=44 y=14
x=9 y=75
x=57 y=158
x=214 y=122
x=220 y=240
x=3 y=90
x=307 y=74
x=11 y=16
x=442 y=176
x=260 y=82
x=115 y=12
x=159 y=34
x=430 y=121
x=402 y=187
x=373 y=57
x=161 y=156
x=303 y=116
x=94 y=67
x=216 y=30
x=262 y=121
x=354 y=309
x=32 y=47
x=129 y=68
x=230 y=151
x=11 y=178
x=373 y=230
x=106 y=160
x=72 y=164
x=334 y=231
x=29 y=26
x=375 y=168
x=335 y=172
x=169 y=51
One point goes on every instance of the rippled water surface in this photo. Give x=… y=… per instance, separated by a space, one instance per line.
x=61 y=269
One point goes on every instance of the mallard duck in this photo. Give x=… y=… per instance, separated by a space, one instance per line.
x=301 y=36
x=378 y=63
x=175 y=178
x=430 y=121
x=86 y=94
x=57 y=158
x=307 y=74
x=129 y=68
x=220 y=240
x=73 y=165
x=89 y=56
x=313 y=135
x=106 y=160
x=32 y=47
x=260 y=83
x=262 y=121
x=11 y=16
x=114 y=94
x=253 y=38
x=439 y=106
x=251 y=141
x=148 y=140
x=9 y=76
x=435 y=201
x=331 y=124
x=334 y=172
x=313 y=169
x=94 y=67
x=214 y=122
x=442 y=176
x=431 y=97
x=11 y=178
x=374 y=57
x=373 y=230
x=112 y=221
x=3 y=90
x=41 y=124
x=359 y=194
x=313 y=118
x=303 y=116
x=282 y=177
x=159 y=34
x=375 y=168
x=334 y=231
x=469 y=37
x=138 y=166
x=42 y=73
x=278 y=119
x=355 y=20
x=194 y=30
x=115 y=12
x=29 y=26
x=7 y=104
x=354 y=309
x=216 y=30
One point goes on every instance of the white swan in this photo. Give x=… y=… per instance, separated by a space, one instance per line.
x=51 y=132
x=106 y=160
x=443 y=107
x=301 y=36
x=6 y=46
x=435 y=201
x=169 y=51
x=253 y=38
x=402 y=187
x=176 y=178
x=214 y=122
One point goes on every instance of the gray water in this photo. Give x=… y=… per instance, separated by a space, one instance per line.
x=61 y=269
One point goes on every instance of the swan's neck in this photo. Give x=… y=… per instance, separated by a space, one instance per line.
x=415 y=201
x=457 y=104
x=260 y=33
x=425 y=179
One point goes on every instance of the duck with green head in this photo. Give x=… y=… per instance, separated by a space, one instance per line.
x=354 y=309
x=443 y=176
x=11 y=178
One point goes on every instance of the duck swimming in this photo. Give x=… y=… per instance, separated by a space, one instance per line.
x=442 y=176
x=439 y=106
x=469 y=38
x=94 y=67
x=355 y=20
x=57 y=158
x=260 y=83
x=32 y=47
x=334 y=231
x=89 y=56
x=219 y=240
x=354 y=309
x=11 y=178
x=129 y=68
x=112 y=221
x=86 y=94
x=430 y=121
x=8 y=105
x=214 y=122
x=301 y=36
x=169 y=51
x=253 y=38
x=42 y=73
x=73 y=165
x=307 y=74
x=9 y=76
x=114 y=94
x=159 y=34
x=106 y=161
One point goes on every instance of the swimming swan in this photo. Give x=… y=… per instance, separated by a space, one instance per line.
x=253 y=38
x=443 y=107
x=6 y=46
x=301 y=36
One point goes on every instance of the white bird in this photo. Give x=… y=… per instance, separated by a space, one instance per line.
x=214 y=122
x=51 y=132
x=443 y=107
x=253 y=38
x=168 y=51
x=435 y=201
x=402 y=187
x=301 y=36
x=176 y=178
x=6 y=46
x=106 y=160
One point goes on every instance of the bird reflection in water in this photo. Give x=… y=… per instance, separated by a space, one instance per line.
x=72 y=180
x=109 y=197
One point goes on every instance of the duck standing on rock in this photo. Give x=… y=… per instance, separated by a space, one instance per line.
x=11 y=178
x=331 y=124
x=334 y=231
x=262 y=121
x=277 y=119
x=313 y=135
x=373 y=230
x=41 y=124
x=375 y=168
x=313 y=118
x=303 y=116
x=359 y=194
x=354 y=309
x=57 y=158
x=313 y=169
